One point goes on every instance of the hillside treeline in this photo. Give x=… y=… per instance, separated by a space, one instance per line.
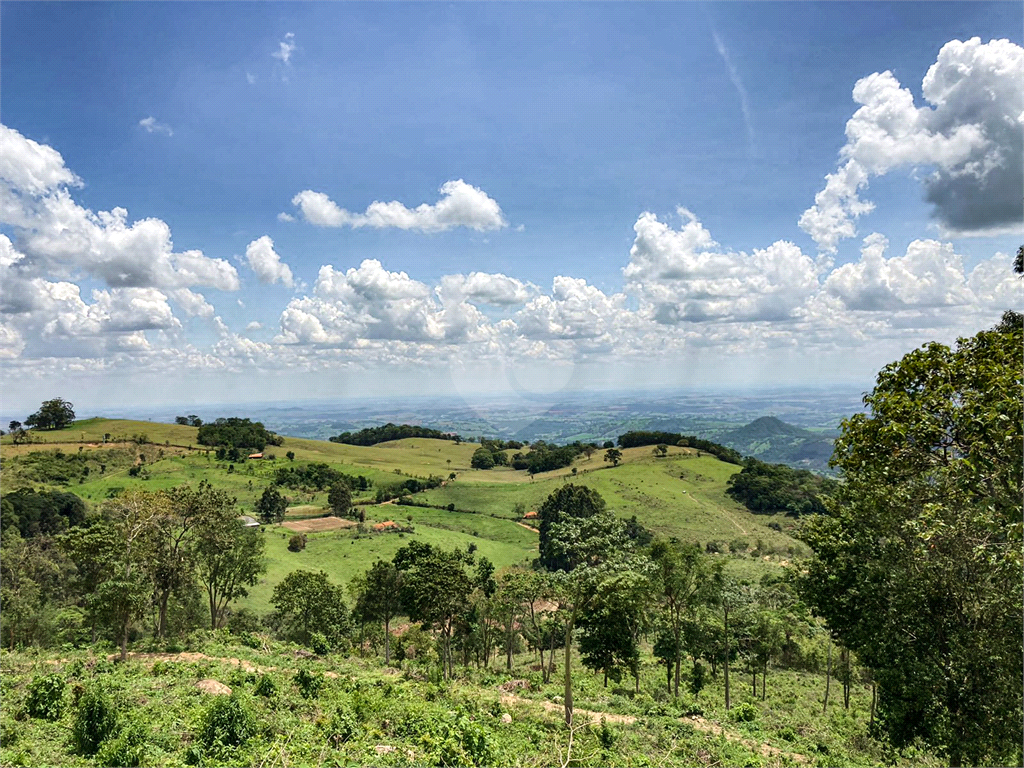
x=237 y=433
x=770 y=489
x=374 y=435
x=640 y=438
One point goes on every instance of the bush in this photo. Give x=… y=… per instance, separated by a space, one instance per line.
x=297 y=543
x=243 y=621
x=227 y=722
x=265 y=687
x=342 y=727
x=45 y=697
x=308 y=683
x=128 y=749
x=743 y=713
x=95 y=720
x=319 y=643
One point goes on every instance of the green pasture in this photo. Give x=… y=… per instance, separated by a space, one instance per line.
x=345 y=553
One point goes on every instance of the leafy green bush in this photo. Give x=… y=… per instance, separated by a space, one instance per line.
x=95 y=720
x=45 y=697
x=297 y=543
x=128 y=749
x=228 y=722
x=308 y=683
x=265 y=687
x=342 y=727
x=743 y=713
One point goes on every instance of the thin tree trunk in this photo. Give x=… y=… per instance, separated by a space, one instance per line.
x=764 y=680
x=568 y=672
x=124 y=640
x=828 y=677
x=678 y=655
x=387 y=641
x=874 y=693
x=606 y=678
x=754 y=682
x=161 y=630
x=508 y=649
x=727 y=702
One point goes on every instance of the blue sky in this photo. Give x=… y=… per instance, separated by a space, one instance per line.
x=565 y=123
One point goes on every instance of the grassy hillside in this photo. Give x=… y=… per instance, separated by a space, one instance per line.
x=680 y=495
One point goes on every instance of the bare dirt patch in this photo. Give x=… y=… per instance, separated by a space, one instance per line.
x=318 y=524
x=213 y=687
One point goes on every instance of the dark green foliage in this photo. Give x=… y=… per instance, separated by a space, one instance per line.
x=319 y=476
x=227 y=722
x=297 y=543
x=308 y=683
x=374 y=435
x=35 y=513
x=45 y=698
x=340 y=499
x=271 y=506
x=743 y=713
x=53 y=414
x=307 y=602
x=482 y=459
x=127 y=749
x=773 y=488
x=576 y=501
x=95 y=720
x=188 y=421
x=545 y=458
x=342 y=727
x=240 y=434
x=918 y=567
x=265 y=687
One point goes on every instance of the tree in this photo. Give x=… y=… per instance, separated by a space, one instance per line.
x=683 y=579
x=918 y=566
x=576 y=501
x=53 y=414
x=594 y=558
x=380 y=599
x=482 y=459
x=1018 y=261
x=614 y=455
x=290 y=455
x=340 y=499
x=307 y=603
x=436 y=591
x=271 y=506
x=228 y=556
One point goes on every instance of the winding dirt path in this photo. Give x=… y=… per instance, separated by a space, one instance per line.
x=699 y=723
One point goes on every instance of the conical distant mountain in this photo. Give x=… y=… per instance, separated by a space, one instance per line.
x=773 y=440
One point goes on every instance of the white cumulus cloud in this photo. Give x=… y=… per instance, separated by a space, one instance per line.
x=153 y=126
x=266 y=263
x=969 y=136
x=461 y=205
x=285 y=48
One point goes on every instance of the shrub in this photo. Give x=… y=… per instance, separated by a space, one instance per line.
x=227 y=722
x=45 y=697
x=265 y=687
x=243 y=621
x=743 y=713
x=297 y=543
x=128 y=749
x=319 y=643
x=308 y=683
x=342 y=727
x=95 y=720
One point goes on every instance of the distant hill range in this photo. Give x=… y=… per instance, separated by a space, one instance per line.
x=774 y=441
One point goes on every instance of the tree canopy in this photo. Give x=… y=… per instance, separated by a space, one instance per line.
x=234 y=432
x=918 y=565
x=52 y=414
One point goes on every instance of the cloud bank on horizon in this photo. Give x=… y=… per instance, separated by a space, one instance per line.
x=99 y=292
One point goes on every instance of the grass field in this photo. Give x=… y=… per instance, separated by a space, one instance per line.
x=681 y=495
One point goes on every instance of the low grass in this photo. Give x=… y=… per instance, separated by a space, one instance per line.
x=347 y=553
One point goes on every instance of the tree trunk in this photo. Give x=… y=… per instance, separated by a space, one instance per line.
x=678 y=655
x=606 y=678
x=161 y=625
x=213 y=610
x=764 y=679
x=387 y=641
x=727 y=702
x=828 y=677
x=874 y=692
x=508 y=649
x=754 y=682
x=568 y=673
x=124 y=640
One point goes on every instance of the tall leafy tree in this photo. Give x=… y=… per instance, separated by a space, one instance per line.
x=52 y=414
x=306 y=603
x=340 y=499
x=575 y=501
x=228 y=556
x=271 y=506
x=918 y=566
x=683 y=579
x=436 y=591
x=597 y=560
x=380 y=598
